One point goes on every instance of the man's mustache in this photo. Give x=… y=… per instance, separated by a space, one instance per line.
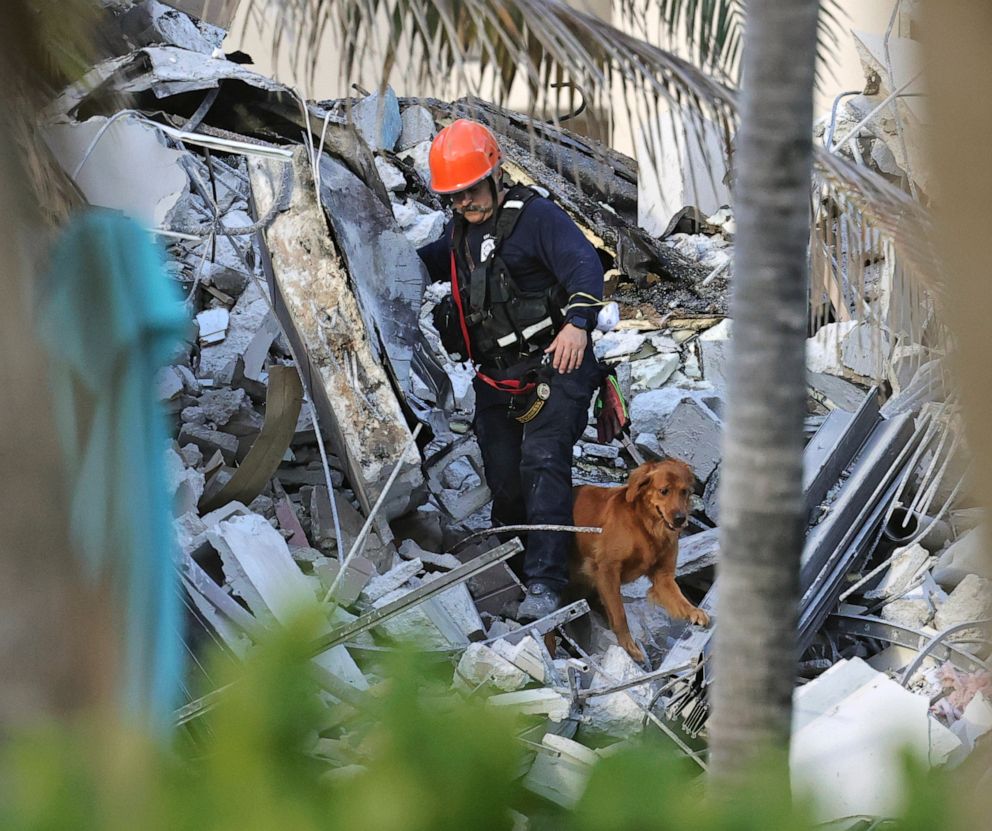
x=472 y=208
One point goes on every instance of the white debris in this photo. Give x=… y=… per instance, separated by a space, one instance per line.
x=651 y=373
x=418 y=127
x=618 y=344
x=617 y=714
x=392 y=177
x=389 y=582
x=419 y=155
x=851 y=727
x=970 y=600
x=212 y=325
x=481 y=665
x=966 y=555
x=377 y=119
x=541 y=701
x=425 y=228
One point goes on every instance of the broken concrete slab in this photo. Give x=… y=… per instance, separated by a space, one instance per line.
x=692 y=432
x=526 y=655
x=410 y=550
x=620 y=713
x=907 y=563
x=244 y=321
x=417 y=125
x=377 y=119
x=652 y=372
x=381 y=585
x=210 y=441
x=480 y=665
x=424 y=626
x=392 y=177
x=261 y=570
x=542 y=701
x=458 y=603
x=966 y=555
x=322 y=318
x=124 y=165
x=851 y=726
x=560 y=773
x=969 y=601
x=714 y=347
x=419 y=156
x=350 y=587
x=383 y=266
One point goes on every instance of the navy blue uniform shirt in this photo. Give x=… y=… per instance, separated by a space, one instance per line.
x=546 y=245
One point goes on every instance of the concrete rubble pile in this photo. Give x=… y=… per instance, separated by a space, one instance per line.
x=292 y=229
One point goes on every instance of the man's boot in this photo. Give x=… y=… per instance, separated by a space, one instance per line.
x=541 y=600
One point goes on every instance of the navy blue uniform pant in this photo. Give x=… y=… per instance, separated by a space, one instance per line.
x=529 y=466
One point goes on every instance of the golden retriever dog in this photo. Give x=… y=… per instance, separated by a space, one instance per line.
x=641 y=523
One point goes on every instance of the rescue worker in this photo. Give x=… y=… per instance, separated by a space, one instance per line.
x=526 y=292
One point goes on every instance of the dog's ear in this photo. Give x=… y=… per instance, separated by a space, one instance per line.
x=638 y=480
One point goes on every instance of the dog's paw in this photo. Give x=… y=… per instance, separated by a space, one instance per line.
x=633 y=650
x=698 y=616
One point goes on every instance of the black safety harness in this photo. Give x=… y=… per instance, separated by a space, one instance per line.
x=507 y=324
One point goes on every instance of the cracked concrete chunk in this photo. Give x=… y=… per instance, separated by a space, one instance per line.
x=377 y=119
x=480 y=665
x=617 y=714
x=129 y=168
x=417 y=127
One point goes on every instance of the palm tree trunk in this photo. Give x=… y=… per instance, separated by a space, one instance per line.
x=761 y=480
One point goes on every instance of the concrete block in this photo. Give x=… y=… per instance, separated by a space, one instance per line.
x=970 y=600
x=168 y=384
x=966 y=555
x=617 y=714
x=417 y=127
x=480 y=664
x=232 y=281
x=692 y=432
x=380 y=586
x=905 y=567
x=911 y=613
x=615 y=345
x=409 y=550
x=527 y=655
x=414 y=626
x=560 y=775
x=650 y=410
x=458 y=603
x=652 y=372
x=356 y=578
x=245 y=320
x=542 y=701
x=592 y=450
x=210 y=441
x=419 y=155
x=212 y=325
x=714 y=347
x=191 y=455
x=377 y=119
x=392 y=177
x=425 y=228
x=223 y=406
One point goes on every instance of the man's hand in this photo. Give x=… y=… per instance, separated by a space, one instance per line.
x=568 y=347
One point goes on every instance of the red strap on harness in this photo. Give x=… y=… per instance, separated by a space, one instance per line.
x=510 y=385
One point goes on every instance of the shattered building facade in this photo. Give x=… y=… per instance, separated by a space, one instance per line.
x=322 y=447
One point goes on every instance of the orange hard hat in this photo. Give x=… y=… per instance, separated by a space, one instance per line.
x=463 y=154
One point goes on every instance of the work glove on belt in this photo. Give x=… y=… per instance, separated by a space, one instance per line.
x=610 y=409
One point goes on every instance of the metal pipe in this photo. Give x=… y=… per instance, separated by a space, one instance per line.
x=903 y=526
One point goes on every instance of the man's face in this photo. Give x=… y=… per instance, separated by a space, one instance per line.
x=474 y=203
